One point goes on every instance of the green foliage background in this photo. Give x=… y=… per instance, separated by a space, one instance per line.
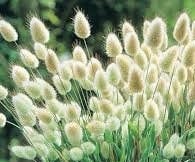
x=104 y=15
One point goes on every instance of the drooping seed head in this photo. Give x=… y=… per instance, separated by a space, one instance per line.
x=40 y=50
x=151 y=111
x=113 y=74
x=181 y=27
x=8 y=32
x=52 y=62
x=81 y=26
x=2 y=120
x=3 y=92
x=79 y=54
x=38 y=30
x=113 y=45
x=188 y=58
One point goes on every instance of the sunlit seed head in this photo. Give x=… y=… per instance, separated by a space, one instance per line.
x=32 y=88
x=106 y=106
x=96 y=127
x=48 y=92
x=65 y=71
x=112 y=124
x=38 y=30
x=147 y=50
x=44 y=115
x=88 y=148
x=105 y=149
x=79 y=54
x=8 y=32
x=145 y=28
x=25 y=152
x=100 y=80
x=113 y=74
x=141 y=59
x=72 y=112
x=3 y=92
x=28 y=59
x=193 y=31
x=155 y=33
x=152 y=76
x=52 y=62
x=168 y=151
x=127 y=28
x=79 y=70
x=113 y=45
x=54 y=106
x=94 y=104
x=40 y=50
x=181 y=27
x=165 y=42
x=2 y=120
x=188 y=37
x=151 y=111
x=135 y=82
x=162 y=84
x=131 y=44
x=76 y=154
x=181 y=73
x=188 y=58
x=139 y=101
x=74 y=133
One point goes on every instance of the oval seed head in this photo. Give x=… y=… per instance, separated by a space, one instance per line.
x=191 y=144
x=135 y=83
x=62 y=86
x=179 y=150
x=124 y=63
x=96 y=127
x=92 y=67
x=48 y=92
x=76 y=154
x=54 y=106
x=40 y=50
x=105 y=150
x=72 y=112
x=86 y=84
x=38 y=30
x=145 y=28
x=25 y=152
x=168 y=61
x=101 y=81
x=191 y=93
x=162 y=84
x=81 y=26
x=181 y=73
x=181 y=27
x=106 y=106
x=79 y=54
x=52 y=62
x=141 y=59
x=19 y=75
x=127 y=28
x=152 y=76
x=189 y=54
x=113 y=74
x=168 y=151
x=155 y=33
x=112 y=123
x=88 y=148
x=147 y=50
x=131 y=44
x=113 y=45
x=151 y=111
x=8 y=32
x=2 y=120
x=94 y=104
x=139 y=100
x=44 y=115
x=74 y=133
x=79 y=70
x=28 y=59
x=3 y=92
x=65 y=70
x=33 y=89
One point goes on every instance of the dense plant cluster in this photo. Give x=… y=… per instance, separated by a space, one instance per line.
x=139 y=107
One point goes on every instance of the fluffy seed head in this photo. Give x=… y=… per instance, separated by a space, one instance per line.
x=141 y=59
x=2 y=120
x=139 y=122
x=3 y=92
x=181 y=73
x=88 y=148
x=181 y=27
x=79 y=54
x=79 y=70
x=105 y=150
x=72 y=112
x=155 y=33
x=179 y=150
x=113 y=123
x=127 y=28
x=113 y=45
x=168 y=151
x=131 y=44
x=135 y=83
x=65 y=71
x=191 y=92
x=29 y=59
x=40 y=50
x=54 y=106
x=113 y=74
x=52 y=62
x=76 y=154
x=193 y=30
x=145 y=28
x=139 y=100
x=25 y=152
x=151 y=111
x=191 y=144
x=152 y=76
x=74 y=133
x=106 y=106
x=147 y=50
x=48 y=92
x=8 y=32
x=94 y=104
x=92 y=67
x=81 y=26
x=189 y=54
x=33 y=89
x=101 y=81
x=96 y=127
x=38 y=30
x=44 y=115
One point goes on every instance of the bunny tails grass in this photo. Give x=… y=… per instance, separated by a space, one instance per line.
x=137 y=107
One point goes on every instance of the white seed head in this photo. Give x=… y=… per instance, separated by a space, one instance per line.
x=188 y=58
x=38 y=30
x=181 y=27
x=76 y=154
x=74 y=133
x=65 y=71
x=48 y=92
x=79 y=54
x=113 y=45
x=79 y=70
x=113 y=74
x=155 y=33
x=190 y=144
x=72 y=112
x=81 y=26
x=101 y=81
x=158 y=125
x=106 y=106
x=181 y=73
x=152 y=76
x=44 y=115
x=147 y=50
x=179 y=150
x=8 y=32
x=94 y=104
x=131 y=44
x=127 y=28
x=96 y=127
x=105 y=150
x=191 y=92
x=193 y=30
x=40 y=50
x=145 y=28
x=2 y=120
x=139 y=100
x=168 y=151
x=52 y=62
x=54 y=105
x=151 y=111
x=33 y=89
x=25 y=152
x=86 y=84
x=3 y=92
x=41 y=149
x=88 y=148
x=141 y=59
x=112 y=123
